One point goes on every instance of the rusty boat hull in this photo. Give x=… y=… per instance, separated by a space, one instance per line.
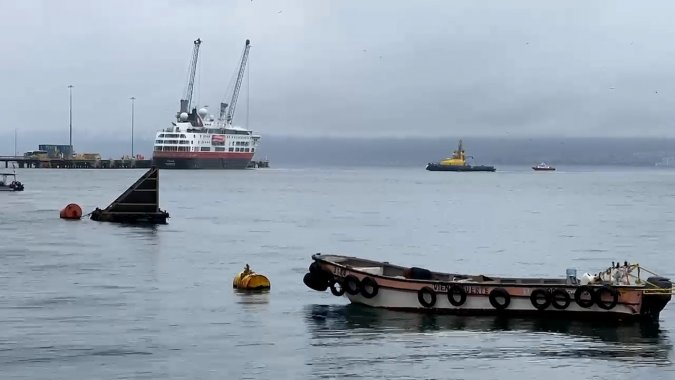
x=383 y=285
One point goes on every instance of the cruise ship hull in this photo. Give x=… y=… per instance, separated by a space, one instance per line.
x=202 y=161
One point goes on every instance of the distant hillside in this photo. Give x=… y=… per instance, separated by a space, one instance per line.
x=415 y=152
x=294 y=151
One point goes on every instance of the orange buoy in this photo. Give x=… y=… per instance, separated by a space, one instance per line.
x=72 y=211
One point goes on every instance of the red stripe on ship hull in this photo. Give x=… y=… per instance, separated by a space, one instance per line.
x=202 y=155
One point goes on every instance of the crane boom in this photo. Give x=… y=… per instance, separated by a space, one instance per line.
x=186 y=102
x=237 y=86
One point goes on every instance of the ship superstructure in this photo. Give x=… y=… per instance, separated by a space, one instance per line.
x=198 y=140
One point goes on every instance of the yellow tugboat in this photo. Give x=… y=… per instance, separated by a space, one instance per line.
x=457 y=163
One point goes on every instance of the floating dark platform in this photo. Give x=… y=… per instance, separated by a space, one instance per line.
x=138 y=204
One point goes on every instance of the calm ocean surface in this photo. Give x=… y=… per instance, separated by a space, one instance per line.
x=88 y=300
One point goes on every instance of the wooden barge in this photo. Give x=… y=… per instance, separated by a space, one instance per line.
x=618 y=293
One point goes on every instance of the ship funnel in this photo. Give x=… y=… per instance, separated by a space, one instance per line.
x=183 y=105
x=223 y=108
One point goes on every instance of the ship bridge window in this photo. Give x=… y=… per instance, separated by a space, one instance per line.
x=246 y=150
x=220 y=149
x=252 y=149
x=231 y=132
x=159 y=141
x=158 y=149
x=231 y=149
x=184 y=142
x=183 y=136
x=205 y=149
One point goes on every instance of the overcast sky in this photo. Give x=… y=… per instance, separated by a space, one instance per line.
x=345 y=68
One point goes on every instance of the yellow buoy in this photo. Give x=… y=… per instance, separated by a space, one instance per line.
x=249 y=280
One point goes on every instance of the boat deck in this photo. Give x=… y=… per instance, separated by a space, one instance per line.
x=385 y=269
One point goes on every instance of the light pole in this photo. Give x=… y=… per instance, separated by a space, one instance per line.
x=70 y=89
x=132 y=126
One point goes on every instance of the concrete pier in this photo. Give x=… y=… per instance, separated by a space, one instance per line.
x=60 y=163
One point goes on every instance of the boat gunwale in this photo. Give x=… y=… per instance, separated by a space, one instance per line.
x=494 y=283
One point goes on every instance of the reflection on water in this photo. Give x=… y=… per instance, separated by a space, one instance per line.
x=140 y=229
x=249 y=297
x=639 y=343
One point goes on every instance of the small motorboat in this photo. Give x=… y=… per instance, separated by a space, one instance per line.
x=543 y=167
x=9 y=182
x=617 y=293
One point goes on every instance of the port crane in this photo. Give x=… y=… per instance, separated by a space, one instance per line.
x=225 y=113
x=186 y=102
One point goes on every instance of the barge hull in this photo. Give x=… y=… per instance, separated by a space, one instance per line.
x=386 y=286
x=519 y=307
x=528 y=314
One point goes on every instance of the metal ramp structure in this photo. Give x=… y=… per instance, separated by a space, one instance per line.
x=139 y=204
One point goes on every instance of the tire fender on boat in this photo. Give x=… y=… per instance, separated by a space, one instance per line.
x=313 y=283
x=352 y=285
x=423 y=301
x=314 y=268
x=318 y=272
x=369 y=283
x=560 y=299
x=456 y=290
x=606 y=305
x=540 y=294
x=499 y=292
x=585 y=303
x=337 y=291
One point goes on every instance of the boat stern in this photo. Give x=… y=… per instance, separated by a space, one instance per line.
x=658 y=292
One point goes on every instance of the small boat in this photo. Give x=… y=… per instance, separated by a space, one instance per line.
x=618 y=293
x=9 y=182
x=543 y=167
x=457 y=163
